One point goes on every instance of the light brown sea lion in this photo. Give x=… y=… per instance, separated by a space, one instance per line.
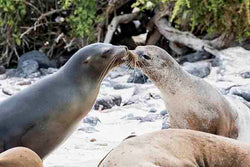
x=46 y=113
x=20 y=157
x=192 y=103
x=178 y=148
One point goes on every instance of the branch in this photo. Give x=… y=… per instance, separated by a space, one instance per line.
x=33 y=28
x=30 y=4
x=45 y=15
x=185 y=38
x=115 y=5
x=126 y=18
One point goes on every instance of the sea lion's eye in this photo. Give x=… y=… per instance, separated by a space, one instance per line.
x=146 y=57
x=106 y=53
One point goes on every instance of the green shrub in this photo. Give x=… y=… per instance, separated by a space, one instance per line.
x=211 y=16
x=82 y=19
x=16 y=17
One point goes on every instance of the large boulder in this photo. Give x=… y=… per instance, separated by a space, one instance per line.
x=2 y=70
x=243 y=91
x=91 y=120
x=137 y=77
x=28 y=67
x=245 y=74
x=197 y=56
x=42 y=60
x=199 y=69
x=108 y=102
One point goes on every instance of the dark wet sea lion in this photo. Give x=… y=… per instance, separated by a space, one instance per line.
x=192 y=103
x=20 y=157
x=43 y=115
x=178 y=148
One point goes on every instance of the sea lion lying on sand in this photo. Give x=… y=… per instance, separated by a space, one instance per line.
x=178 y=148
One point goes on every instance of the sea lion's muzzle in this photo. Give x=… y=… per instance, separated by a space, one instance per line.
x=133 y=58
x=121 y=52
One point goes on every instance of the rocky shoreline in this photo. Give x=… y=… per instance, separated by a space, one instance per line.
x=128 y=103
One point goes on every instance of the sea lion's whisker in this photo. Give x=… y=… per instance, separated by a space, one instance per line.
x=144 y=67
x=107 y=68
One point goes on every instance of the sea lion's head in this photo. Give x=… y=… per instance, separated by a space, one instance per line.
x=94 y=61
x=155 y=62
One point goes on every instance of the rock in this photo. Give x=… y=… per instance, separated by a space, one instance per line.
x=48 y=71
x=92 y=140
x=2 y=70
x=35 y=75
x=147 y=118
x=197 y=56
x=153 y=110
x=245 y=74
x=106 y=83
x=42 y=60
x=27 y=68
x=118 y=86
x=137 y=77
x=163 y=112
x=11 y=73
x=199 y=69
x=179 y=49
x=108 y=102
x=115 y=74
x=246 y=44
x=118 y=72
x=88 y=129
x=130 y=117
x=150 y=118
x=22 y=83
x=9 y=91
x=242 y=91
x=3 y=76
x=154 y=95
x=91 y=120
x=2 y=73
x=165 y=123
x=129 y=102
x=216 y=61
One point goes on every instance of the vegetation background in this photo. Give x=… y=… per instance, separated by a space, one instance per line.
x=59 y=27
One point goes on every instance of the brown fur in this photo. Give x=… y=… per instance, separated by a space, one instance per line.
x=192 y=103
x=20 y=157
x=179 y=148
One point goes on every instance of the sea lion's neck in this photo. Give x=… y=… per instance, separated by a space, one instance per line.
x=170 y=78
